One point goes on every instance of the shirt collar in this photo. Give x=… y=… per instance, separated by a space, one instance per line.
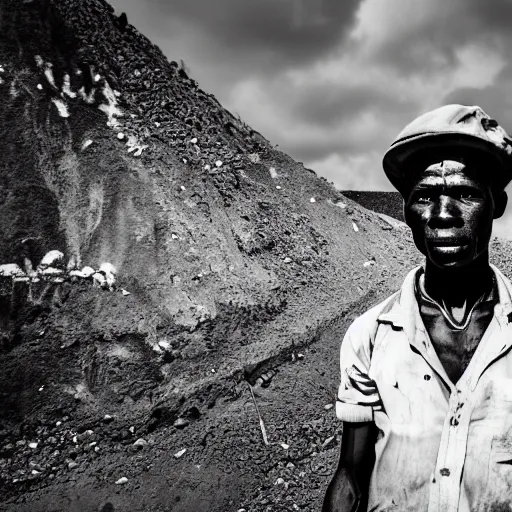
x=402 y=313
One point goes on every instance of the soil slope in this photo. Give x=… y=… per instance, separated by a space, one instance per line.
x=236 y=273
x=387 y=203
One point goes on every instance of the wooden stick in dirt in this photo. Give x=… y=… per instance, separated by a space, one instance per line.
x=262 y=425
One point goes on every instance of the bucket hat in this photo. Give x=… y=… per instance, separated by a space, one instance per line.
x=458 y=126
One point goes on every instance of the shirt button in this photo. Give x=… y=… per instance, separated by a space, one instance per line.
x=444 y=472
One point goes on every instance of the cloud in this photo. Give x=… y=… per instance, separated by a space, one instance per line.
x=333 y=82
x=282 y=31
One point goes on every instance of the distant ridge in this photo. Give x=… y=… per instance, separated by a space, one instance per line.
x=388 y=203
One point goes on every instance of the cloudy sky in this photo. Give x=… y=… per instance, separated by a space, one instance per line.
x=332 y=82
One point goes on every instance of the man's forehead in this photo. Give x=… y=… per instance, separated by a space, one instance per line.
x=447 y=172
x=446 y=166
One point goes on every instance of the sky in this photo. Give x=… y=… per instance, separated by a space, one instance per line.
x=332 y=82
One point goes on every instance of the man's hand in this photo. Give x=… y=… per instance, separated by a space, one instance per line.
x=348 y=490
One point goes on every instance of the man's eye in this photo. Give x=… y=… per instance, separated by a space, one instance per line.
x=467 y=194
x=424 y=198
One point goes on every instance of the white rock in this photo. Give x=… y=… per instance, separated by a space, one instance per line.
x=120 y=136
x=285 y=446
x=123 y=480
x=182 y=187
x=174 y=236
x=180 y=454
x=88 y=271
x=97 y=78
x=77 y=273
x=328 y=441
x=328 y=407
x=35 y=472
x=86 y=144
x=368 y=263
x=108 y=268
x=194 y=140
x=66 y=87
x=300 y=356
x=52 y=271
x=157 y=124
x=62 y=108
x=279 y=481
x=278 y=187
x=354 y=225
x=32 y=445
x=99 y=279
x=51 y=258
x=132 y=429
x=218 y=163
x=125 y=292
x=11 y=270
x=140 y=442
x=27 y=264
x=164 y=344
x=312 y=200
x=207 y=167
x=273 y=173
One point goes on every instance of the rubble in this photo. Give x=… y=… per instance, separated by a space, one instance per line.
x=180 y=454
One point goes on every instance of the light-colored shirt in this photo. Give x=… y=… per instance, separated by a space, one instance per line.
x=441 y=447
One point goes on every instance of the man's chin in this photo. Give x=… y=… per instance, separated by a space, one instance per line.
x=450 y=256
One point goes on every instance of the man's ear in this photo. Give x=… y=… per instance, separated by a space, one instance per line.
x=500 y=203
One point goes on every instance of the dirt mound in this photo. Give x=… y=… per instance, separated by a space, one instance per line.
x=219 y=268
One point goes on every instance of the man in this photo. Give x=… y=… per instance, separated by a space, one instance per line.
x=426 y=376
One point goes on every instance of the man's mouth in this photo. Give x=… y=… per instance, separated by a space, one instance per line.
x=448 y=242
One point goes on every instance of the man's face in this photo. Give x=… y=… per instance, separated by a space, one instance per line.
x=450 y=214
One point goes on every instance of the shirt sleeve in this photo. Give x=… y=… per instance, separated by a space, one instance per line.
x=358 y=396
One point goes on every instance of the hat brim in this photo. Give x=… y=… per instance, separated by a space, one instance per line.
x=395 y=160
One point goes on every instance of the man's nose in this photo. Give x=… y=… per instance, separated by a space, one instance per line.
x=445 y=214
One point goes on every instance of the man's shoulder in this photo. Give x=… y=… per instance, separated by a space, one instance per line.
x=366 y=324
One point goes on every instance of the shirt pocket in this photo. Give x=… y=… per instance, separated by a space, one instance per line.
x=499 y=480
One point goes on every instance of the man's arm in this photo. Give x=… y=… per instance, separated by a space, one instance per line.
x=348 y=490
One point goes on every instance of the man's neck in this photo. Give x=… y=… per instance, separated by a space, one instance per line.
x=456 y=286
